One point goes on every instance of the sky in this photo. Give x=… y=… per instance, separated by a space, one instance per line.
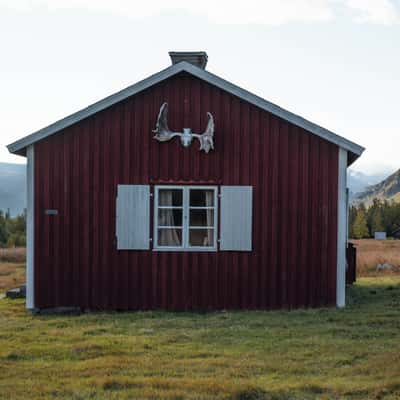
x=334 y=62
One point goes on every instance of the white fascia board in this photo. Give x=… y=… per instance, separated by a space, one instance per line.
x=341 y=230
x=203 y=75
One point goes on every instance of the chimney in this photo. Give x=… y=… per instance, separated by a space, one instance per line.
x=197 y=58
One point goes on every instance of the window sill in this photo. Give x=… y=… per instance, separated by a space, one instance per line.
x=186 y=250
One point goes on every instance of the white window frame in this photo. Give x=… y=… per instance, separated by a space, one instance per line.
x=185 y=219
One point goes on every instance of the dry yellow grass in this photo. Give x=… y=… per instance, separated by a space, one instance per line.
x=372 y=252
x=12 y=268
x=13 y=255
x=11 y=276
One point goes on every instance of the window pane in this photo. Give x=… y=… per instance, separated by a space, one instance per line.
x=201 y=198
x=169 y=217
x=169 y=237
x=201 y=217
x=201 y=237
x=170 y=197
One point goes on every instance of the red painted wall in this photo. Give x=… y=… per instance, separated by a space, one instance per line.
x=294 y=179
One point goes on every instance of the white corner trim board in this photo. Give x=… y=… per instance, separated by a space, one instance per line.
x=30 y=243
x=341 y=232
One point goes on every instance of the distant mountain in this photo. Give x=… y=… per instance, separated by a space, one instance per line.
x=388 y=189
x=358 y=181
x=12 y=187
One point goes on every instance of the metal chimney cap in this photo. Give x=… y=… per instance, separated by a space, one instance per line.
x=197 y=58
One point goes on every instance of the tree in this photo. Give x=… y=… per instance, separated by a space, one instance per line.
x=360 y=228
x=375 y=217
x=12 y=229
x=377 y=223
x=3 y=235
x=352 y=218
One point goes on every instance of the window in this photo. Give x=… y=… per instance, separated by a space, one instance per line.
x=185 y=217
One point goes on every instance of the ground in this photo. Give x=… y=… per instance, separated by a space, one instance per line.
x=324 y=353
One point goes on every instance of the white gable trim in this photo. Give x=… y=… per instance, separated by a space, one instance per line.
x=201 y=74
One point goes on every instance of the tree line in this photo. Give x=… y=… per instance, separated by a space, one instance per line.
x=381 y=216
x=12 y=229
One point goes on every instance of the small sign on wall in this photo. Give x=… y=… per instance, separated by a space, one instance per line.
x=51 y=212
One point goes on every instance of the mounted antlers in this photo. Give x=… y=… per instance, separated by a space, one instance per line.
x=163 y=133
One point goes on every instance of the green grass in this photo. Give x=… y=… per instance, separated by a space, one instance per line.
x=306 y=354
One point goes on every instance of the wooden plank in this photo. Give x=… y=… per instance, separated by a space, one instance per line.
x=133 y=217
x=85 y=179
x=236 y=218
x=274 y=220
x=284 y=217
x=303 y=220
x=324 y=238
x=294 y=212
x=95 y=211
x=262 y=164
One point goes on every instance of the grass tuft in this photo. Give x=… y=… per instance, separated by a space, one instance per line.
x=252 y=394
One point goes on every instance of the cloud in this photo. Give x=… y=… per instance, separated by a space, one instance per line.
x=375 y=11
x=266 y=12
x=270 y=12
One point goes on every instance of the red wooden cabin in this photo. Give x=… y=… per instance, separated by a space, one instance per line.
x=120 y=220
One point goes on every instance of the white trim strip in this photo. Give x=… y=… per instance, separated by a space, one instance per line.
x=30 y=231
x=203 y=75
x=341 y=233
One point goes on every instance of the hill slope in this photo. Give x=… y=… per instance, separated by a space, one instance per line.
x=388 y=189
x=12 y=187
x=358 y=181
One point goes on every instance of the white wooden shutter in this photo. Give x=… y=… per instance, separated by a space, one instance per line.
x=236 y=218
x=133 y=217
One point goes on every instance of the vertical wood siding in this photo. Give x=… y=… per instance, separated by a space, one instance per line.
x=294 y=179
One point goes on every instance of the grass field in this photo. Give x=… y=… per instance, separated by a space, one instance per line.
x=306 y=354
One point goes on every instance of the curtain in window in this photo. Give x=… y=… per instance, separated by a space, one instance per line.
x=167 y=237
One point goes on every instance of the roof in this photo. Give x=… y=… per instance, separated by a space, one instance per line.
x=19 y=146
